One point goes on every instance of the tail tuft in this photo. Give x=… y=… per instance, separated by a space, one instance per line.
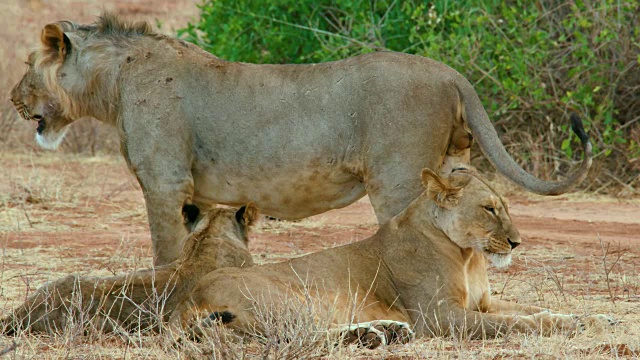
x=578 y=128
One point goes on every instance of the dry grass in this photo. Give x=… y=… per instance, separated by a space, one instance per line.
x=89 y=223
x=297 y=329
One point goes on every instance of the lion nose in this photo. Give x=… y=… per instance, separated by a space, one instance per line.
x=514 y=244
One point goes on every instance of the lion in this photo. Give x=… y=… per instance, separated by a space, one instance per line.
x=141 y=299
x=424 y=271
x=198 y=130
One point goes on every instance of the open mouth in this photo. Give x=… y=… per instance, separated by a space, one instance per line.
x=41 y=126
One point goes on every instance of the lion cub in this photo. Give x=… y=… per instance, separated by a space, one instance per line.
x=426 y=267
x=142 y=299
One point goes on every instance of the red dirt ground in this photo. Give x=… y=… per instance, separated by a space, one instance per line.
x=544 y=222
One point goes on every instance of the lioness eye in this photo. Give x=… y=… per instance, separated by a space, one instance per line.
x=490 y=209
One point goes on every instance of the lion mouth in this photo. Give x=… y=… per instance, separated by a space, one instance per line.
x=41 y=126
x=497 y=253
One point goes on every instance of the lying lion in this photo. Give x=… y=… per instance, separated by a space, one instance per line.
x=425 y=267
x=142 y=299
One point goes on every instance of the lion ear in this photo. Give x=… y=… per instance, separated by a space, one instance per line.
x=55 y=42
x=440 y=190
x=190 y=213
x=248 y=214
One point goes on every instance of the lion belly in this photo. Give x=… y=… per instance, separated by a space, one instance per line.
x=283 y=194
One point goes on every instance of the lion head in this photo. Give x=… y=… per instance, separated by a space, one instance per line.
x=60 y=86
x=33 y=101
x=472 y=214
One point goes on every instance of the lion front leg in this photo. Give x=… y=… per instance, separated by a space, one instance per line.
x=168 y=187
x=480 y=325
x=547 y=319
x=511 y=308
x=372 y=334
x=158 y=150
x=167 y=223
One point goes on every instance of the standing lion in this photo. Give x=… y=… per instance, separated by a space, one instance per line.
x=195 y=129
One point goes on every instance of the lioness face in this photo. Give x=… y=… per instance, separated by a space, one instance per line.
x=474 y=215
x=34 y=102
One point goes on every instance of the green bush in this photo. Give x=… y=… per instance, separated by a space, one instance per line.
x=531 y=62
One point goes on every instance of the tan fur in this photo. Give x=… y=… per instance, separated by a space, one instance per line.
x=143 y=299
x=427 y=266
x=197 y=129
x=30 y=97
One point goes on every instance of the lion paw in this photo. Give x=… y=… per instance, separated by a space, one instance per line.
x=597 y=320
x=376 y=333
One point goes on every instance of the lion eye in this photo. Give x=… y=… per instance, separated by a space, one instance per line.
x=490 y=209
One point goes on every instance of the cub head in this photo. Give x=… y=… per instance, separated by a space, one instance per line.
x=33 y=101
x=218 y=237
x=233 y=224
x=471 y=213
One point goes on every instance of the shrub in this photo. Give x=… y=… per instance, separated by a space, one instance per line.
x=531 y=63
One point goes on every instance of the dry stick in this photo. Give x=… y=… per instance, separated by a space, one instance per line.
x=9 y=349
x=604 y=264
x=607 y=271
x=26 y=215
x=621 y=183
x=629 y=123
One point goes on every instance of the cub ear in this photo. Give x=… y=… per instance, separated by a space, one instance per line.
x=57 y=45
x=190 y=214
x=440 y=190
x=248 y=214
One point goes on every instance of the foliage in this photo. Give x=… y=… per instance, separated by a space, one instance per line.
x=531 y=62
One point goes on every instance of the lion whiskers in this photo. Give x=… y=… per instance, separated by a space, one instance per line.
x=22 y=111
x=479 y=243
x=498 y=260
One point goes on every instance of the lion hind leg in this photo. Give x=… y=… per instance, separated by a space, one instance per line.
x=372 y=334
x=50 y=307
